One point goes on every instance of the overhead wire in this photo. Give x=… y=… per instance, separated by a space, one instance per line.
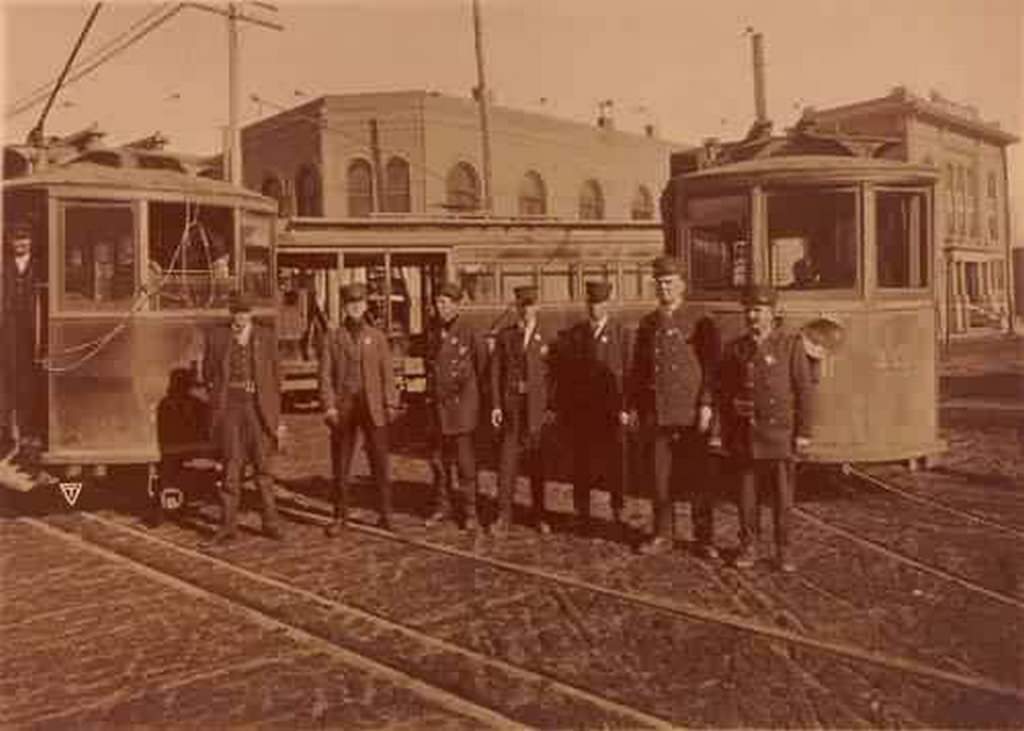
x=102 y=59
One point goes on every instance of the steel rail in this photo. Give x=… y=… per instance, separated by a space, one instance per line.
x=636 y=716
x=867 y=477
x=878 y=547
x=693 y=612
x=431 y=693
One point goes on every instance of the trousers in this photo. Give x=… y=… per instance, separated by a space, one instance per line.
x=778 y=473
x=244 y=440
x=519 y=443
x=681 y=461
x=343 y=445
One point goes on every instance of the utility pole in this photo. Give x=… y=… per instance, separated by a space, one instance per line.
x=482 y=101
x=233 y=136
x=233 y=154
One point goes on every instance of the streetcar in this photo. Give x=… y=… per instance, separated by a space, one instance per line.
x=844 y=232
x=139 y=256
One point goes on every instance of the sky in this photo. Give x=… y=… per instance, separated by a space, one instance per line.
x=683 y=65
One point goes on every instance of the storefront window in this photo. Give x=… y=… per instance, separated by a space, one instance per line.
x=813 y=239
x=719 y=232
x=99 y=257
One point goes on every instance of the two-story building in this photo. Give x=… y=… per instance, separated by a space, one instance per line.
x=973 y=247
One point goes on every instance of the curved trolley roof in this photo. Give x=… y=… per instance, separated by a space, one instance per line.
x=106 y=179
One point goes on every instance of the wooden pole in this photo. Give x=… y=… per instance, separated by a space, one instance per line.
x=483 y=102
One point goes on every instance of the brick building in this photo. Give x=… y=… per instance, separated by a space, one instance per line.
x=354 y=155
x=974 y=278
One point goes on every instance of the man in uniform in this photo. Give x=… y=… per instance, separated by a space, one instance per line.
x=22 y=383
x=240 y=366
x=672 y=393
x=766 y=410
x=593 y=372
x=522 y=395
x=455 y=361
x=357 y=390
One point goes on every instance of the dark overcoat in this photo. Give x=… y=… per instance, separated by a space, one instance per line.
x=529 y=368
x=456 y=358
x=674 y=365
x=592 y=372
x=265 y=371
x=765 y=396
x=20 y=382
x=377 y=369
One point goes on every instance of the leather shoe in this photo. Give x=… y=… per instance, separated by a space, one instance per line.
x=784 y=563
x=500 y=529
x=543 y=528
x=746 y=558
x=274 y=532
x=706 y=551
x=656 y=545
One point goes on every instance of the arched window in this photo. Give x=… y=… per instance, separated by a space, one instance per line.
x=307 y=192
x=360 y=188
x=396 y=186
x=591 y=201
x=533 y=196
x=272 y=188
x=463 y=188
x=642 y=208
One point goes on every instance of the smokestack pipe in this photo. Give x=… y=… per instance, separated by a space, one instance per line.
x=760 y=107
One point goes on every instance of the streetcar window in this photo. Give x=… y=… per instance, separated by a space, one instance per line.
x=478 y=282
x=902 y=239
x=557 y=284
x=191 y=256
x=257 y=267
x=812 y=239
x=719 y=232
x=99 y=257
x=512 y=277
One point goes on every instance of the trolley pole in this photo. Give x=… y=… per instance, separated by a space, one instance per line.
x=482 y=101
x=760 y=105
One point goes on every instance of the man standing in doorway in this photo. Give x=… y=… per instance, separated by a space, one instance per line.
x=522 y=395
x=672 y=393
x=357 y=390
x=456 y=355
x=240 y=365
x=766 y=409
x=593 y=373
x=23 y=420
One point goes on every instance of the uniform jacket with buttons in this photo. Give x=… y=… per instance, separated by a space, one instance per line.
x=456 y=356
x=765 y=395
x=674 y=366
x=378 y=373
x=265 y=374
x=593 y=372
x=513 y=364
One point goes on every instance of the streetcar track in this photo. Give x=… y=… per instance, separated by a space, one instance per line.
x=972 y=517
x=431 y=693
x=638 y=717
x=662 y=604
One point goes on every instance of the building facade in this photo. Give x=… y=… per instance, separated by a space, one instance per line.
x=973 y=271
x=356 y=155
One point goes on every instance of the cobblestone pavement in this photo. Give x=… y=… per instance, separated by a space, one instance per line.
x=88 y=642
x=134 y=651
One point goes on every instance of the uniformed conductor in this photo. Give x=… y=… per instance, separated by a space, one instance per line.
x=766 y=411
x=522 y=395
x=240 y=365
x=672 y=392
x=456 y=355
x=357 y=391
x=593 y=373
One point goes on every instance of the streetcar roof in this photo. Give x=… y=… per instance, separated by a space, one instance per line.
x=95 y=176
x=814 y=169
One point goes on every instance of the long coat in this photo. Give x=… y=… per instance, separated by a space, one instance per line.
x=377 y=369
x=265 y=372
x=456 y=357
x=766 y=396
x=674 y=368
x=514 y=367
x=20 y=384
x=593 y=372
